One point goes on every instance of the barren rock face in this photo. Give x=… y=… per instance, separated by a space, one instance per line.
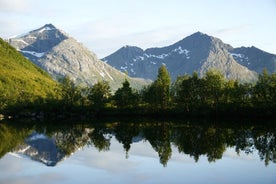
x=197 y=52
x=61 y=55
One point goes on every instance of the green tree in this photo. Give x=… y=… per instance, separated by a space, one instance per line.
x=214 y=84
x=264 y=90
x=239 y=94
x=69 y=92
x=189 y=94
x=125 y=97
x=99 y=94
x=176 y=88
x=158 y=94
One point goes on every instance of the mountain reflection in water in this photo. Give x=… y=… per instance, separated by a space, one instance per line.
x=50 y=143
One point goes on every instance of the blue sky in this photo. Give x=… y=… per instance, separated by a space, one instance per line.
x=106 y=25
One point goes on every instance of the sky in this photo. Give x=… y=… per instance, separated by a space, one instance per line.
x=104 y=26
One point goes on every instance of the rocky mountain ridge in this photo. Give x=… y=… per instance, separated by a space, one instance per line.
x=61 y=55
x=198 y=52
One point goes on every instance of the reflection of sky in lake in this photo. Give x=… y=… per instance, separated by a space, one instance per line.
x=88 y=165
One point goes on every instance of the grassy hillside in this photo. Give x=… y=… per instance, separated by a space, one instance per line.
x=21 y=80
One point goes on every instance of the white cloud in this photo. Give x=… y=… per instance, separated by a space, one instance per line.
x=234 y=30
x=231 y=153
x=14 y=6
x=104 y=38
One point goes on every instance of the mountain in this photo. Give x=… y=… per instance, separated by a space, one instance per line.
x=50 y=150
x=197 y=52
x=20 y=78
x=255 y=59
x=61 y=55
x=41 y=148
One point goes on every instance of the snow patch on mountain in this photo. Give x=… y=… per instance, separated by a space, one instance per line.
x=237 y=55
x=241 y=58
x=46 y=29
x=36 y=54
x=22 y=41
x=37 y=136
x=123 y=67
x=178 y=50
x=181 y=51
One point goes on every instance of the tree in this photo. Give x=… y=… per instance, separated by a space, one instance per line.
x=214 y=85
x=176 y=88
x=237 y=94
x=189 y=94
x=125 y=97
x=99 y=94
x=69 y=92
x=264 y=90
x=158 y=94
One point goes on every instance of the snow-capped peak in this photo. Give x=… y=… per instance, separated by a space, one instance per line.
x=46 y=27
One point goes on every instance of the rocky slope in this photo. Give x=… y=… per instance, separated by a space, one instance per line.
x=61 y=55
x=197 y=52
x=255 y=59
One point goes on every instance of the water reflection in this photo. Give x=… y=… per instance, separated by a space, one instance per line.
x=50 y=143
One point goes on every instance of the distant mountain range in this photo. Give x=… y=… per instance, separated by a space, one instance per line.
x=61 y=55
x=198 y=52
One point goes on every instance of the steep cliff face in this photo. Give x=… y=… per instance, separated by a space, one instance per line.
x=61 y=55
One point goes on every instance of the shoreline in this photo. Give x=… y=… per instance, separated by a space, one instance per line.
x=86 y=114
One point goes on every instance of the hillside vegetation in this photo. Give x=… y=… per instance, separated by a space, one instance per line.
x=21 y=80
x=27 y=91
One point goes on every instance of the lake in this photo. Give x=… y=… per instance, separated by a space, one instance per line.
x=137 y=151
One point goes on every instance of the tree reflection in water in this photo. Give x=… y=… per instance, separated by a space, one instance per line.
x=191 y=138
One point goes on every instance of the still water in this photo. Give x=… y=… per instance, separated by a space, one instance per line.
x=140 y=151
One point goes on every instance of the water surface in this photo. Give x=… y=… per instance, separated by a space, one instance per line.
x=146 y=151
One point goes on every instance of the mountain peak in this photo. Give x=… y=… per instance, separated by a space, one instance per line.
x=199 y=34
x=51 y=26
x=46 y=27
x=61 y=55
x=197 y=52
x=196 y=37
x=36 y=43
x=129 y=47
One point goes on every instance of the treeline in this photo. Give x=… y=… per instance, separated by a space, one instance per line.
x=211 y=95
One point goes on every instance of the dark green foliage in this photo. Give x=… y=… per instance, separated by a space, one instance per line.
x=69 y=92
x=99 y=95
x=213 y=94
x=264 y=91
x=25 y=88
x=21 y=82
x=213 y=84
x=125 y=97
x=189 y=95
x=12 y=137
x=158 y=93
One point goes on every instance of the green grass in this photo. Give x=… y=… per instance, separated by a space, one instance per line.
x=20 y=79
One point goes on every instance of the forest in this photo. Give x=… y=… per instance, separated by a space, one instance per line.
x=188 y=96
